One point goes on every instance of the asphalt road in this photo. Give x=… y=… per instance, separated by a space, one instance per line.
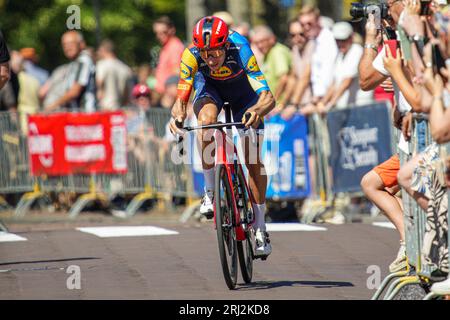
x=329 y=264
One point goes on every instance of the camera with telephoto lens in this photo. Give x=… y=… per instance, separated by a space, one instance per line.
x=358 y=11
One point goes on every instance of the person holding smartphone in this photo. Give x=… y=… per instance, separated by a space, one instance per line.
x=380 y=185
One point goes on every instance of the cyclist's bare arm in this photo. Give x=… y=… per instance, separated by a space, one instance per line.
x=178 y=114
x=263 y=106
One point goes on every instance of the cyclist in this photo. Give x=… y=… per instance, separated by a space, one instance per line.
x=220 y=66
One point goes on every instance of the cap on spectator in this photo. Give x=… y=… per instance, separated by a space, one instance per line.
x=141 y=90
x=342 y=30
x=28 y=53
x=171 y=80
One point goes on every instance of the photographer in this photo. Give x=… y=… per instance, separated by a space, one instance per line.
x=380 y=185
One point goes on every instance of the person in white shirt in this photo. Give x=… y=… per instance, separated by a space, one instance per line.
x=324 y=54
x=345 y=90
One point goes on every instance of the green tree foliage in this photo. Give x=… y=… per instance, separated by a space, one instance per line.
x=40 y=24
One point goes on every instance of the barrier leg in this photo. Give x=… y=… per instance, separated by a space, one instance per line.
x=405 y=282
x=3 y=227
x=431 y=296
x=386 y=281
x=139 y=200
x=395 y=284
x=27 y=200
x=86 y=199
x=3 y=202
x=189 y=211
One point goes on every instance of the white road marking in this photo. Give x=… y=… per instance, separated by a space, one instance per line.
x=388 y=225
x=127 y=231
x=10 y=237
x=292 y=227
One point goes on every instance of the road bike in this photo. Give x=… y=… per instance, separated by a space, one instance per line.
x=233 y=203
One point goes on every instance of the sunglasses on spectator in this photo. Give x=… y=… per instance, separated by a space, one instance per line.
x=214 y=53
x=292 y=35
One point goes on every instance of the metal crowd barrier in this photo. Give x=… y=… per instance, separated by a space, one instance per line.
x=151 y=172
x=320 y=200
x=417 y=272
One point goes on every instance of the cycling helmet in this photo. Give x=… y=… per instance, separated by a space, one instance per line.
x=210 y=32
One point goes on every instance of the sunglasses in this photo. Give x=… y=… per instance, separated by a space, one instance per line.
x=214 y=53
x=301 y=34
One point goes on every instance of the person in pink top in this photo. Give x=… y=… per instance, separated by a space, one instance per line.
x=171 y=51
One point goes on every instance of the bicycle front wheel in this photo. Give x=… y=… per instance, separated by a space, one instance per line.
x=226 y=234
x=245 y=250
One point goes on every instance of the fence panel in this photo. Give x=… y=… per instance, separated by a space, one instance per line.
x=14 y=175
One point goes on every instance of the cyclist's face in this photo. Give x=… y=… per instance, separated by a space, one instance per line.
x=214 y=58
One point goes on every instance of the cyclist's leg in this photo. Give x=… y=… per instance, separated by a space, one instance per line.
x=257 y=177
x=256 y=170
x=207 y=105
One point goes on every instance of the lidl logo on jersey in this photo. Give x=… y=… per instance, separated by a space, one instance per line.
x=223 y=72
x=252 y=65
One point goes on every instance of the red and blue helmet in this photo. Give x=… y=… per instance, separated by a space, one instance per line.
x=210 y=32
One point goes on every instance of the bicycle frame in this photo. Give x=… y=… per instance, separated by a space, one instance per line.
x=224 y=145
x=225 y=150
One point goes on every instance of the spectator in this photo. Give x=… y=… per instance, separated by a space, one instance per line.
x=4 y=62
x=243 y=29
x=170 y=93
x=53 y=88
x=8 y=100
x=298 y=90
x=30 y=65
x=325 y=51
x=79 y=85
x=113 y=78
x=345 y=90
x=142 y=103
x=276 y=63
x=171 y=51
x=380 y=185
x=28 y=99
x=226 y=17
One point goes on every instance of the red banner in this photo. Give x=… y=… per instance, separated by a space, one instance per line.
x=71 y=143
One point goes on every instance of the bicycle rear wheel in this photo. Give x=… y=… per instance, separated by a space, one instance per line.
x=244 y=248
x=226 y=234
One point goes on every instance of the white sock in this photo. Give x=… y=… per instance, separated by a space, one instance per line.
x=209 y=175
x=260 y=210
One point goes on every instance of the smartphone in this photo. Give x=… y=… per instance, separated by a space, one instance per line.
x=390 y=33
x=437 y=59
x=425 y=7
x=393 y=45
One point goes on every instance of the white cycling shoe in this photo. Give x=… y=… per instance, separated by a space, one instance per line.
x=207 y=206
x=263 y=248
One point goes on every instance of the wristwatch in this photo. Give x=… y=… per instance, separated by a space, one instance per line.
x=371 y=46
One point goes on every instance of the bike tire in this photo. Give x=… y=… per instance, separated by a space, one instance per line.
x=226 y=233
x=244 y=248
